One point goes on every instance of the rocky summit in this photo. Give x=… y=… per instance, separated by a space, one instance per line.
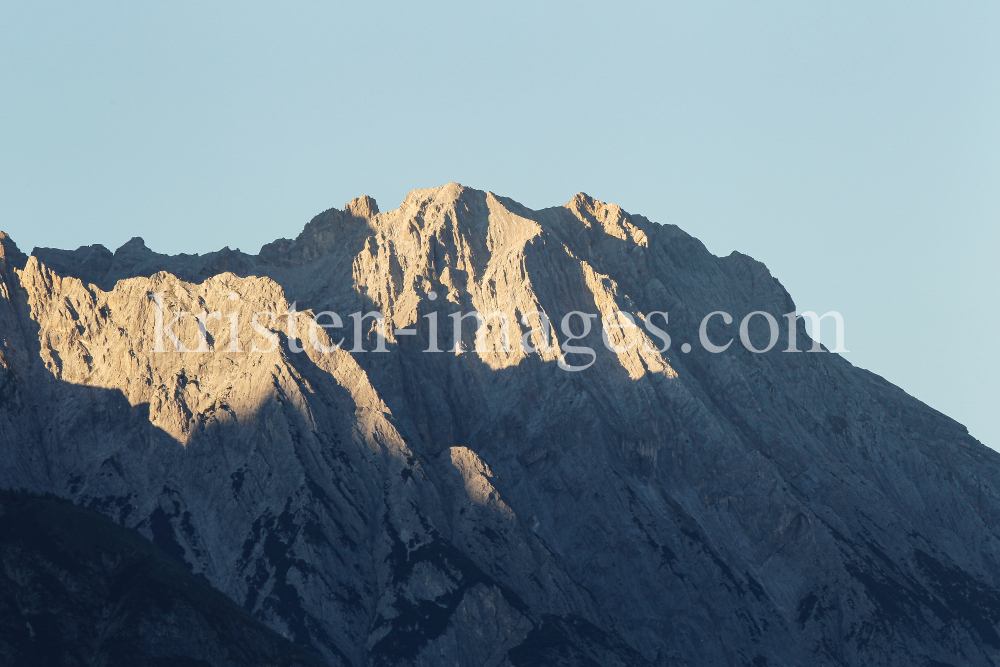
x=513 y=499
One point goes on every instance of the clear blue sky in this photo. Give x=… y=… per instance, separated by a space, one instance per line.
x=852 y=147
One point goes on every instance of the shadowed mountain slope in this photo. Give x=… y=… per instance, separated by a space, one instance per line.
x=78 y=589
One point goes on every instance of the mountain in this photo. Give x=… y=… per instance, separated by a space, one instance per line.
x=489 y=505
x=78 y=589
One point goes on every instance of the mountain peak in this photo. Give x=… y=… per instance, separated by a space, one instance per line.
x=10 y=253
x=362 y=207
x=136 y=243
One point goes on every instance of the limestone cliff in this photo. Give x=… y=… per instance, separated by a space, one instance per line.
x=485 y=506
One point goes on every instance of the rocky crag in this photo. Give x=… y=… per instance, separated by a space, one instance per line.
x=484 y=506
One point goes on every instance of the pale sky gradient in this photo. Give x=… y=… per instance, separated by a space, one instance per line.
x=852 y=147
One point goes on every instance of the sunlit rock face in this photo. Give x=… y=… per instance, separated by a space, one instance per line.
x=485 y=505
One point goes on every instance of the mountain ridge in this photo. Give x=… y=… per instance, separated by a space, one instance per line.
x=487 y=506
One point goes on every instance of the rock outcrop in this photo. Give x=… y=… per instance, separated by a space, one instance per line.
x=484 y=505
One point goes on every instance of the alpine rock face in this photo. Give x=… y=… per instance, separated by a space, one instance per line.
x=493 y=504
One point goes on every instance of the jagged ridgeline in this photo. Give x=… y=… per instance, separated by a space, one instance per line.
x=483 y=505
